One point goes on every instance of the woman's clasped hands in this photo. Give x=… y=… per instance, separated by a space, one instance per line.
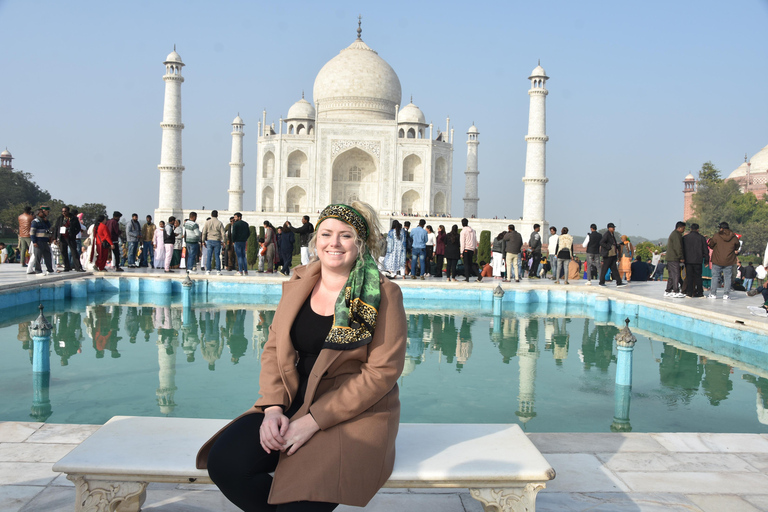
x=279 y=433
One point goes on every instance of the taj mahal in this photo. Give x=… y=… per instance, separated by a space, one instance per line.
x=355 y=142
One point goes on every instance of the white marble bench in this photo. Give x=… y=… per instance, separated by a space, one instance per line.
x=111 y=469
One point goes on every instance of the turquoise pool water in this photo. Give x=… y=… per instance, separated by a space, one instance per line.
x=546 y=366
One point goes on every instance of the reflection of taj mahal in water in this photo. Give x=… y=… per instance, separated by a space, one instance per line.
x=354 y=142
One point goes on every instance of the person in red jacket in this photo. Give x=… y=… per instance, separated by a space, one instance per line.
x=103 y=243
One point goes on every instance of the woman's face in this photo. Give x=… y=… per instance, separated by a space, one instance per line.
x=335 y=244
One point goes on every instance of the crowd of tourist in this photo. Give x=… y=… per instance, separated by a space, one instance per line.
x=407 y=252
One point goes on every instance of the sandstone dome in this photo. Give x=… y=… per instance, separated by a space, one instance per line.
x=302 y=109
x=355 y=84
x=411 y=114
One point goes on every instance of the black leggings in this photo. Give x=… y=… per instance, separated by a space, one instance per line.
x=240 y=468
x=452 y=268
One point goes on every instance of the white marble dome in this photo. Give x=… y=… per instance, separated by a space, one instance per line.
x=6 y=153
x=473 y=129
x=538 y=71
x=238 y=120
x=411 y=114
x=356 y=84
x=173 y=57
x=759 y=164
x=689 y=177
x=302 y=109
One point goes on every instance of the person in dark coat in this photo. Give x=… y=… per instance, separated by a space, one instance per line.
x=696 y=253
x=675 y=260
x=287 y=239
x=609 y=250
x=640 y=271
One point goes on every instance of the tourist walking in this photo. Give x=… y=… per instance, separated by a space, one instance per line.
x=439 y=250
x=534 y=244
x=212 y=236
x=592 y=245
x=626 y=253
x=725 y=247
x=286 y=249
x=609 y=250
x=113 y=225
x=102 y=243
x=497 y=255
x=675 y=260
x=419 y=250
x=147 y=243
x=192 y=240
x=394 y=260
x=169 y=242
x=552 y=251
x=564 y=254
x=305 y=234
x=240 y=233
x=133 y=236
x=513 y=244
x=25 y=222
x=40 y=236
x=468 y=248
x=452 y=251
x=158 y=246
x=696 y=254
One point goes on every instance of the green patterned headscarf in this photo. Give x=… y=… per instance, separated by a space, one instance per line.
x=354 y=316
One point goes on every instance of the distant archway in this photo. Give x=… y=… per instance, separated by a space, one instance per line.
x=268 y=165
x=354 y=175
x=268 y=199
x=441 y=171
x=410 y=202
x=297 y=164
x=296 y=200
x=413 y=170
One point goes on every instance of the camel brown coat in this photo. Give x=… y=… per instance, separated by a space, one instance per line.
x=351 y=394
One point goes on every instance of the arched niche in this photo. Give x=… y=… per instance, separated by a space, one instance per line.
x=268 y=199
x=413 y=169
x=296 y=200
x=268 y=165
x=297 y=164
x=300 y=129
x=439 y=204
x=354 y=175
x=410 y=202
x=441 y=170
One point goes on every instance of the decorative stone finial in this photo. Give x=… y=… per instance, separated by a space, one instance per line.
x=174 y=46
x=359 y=27
x=498 y=291
x=187 y=281
x=40 y=328
x=539 y=62
x=625 y=338
x=302 y=94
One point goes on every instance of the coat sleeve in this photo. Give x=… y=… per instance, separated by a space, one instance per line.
x=378 y=375
x=271 y=387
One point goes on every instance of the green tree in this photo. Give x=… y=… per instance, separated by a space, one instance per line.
x=645 y=250
x=715 y=202
x=484 y=247
x=252 y=248
x=709 y=173
x=91 y=211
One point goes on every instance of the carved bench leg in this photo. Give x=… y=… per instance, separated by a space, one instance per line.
x=511 y=499
x=108 y=496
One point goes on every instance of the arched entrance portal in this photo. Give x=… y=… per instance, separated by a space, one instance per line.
x=354 y=176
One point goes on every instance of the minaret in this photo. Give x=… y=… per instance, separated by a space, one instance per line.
x=6 y=159
x=527 y=356
x=236 y=166
x=689 y=188
x=535 y=180
x=170 y=152
x=470 y=188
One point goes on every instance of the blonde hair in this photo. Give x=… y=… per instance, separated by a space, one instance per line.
x=370 y=245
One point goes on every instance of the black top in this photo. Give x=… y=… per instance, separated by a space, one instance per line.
x=308 y=334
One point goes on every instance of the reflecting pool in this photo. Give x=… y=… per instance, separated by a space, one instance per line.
x=548 y=368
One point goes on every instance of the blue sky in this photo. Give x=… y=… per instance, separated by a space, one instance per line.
x=640 y=93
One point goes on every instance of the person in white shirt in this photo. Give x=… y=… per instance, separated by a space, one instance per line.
x=552 y=245
x=431 y=239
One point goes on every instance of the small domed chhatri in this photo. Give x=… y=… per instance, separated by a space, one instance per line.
x=238 y=120
x=6 y=153
x=302 y=109
x=411 y=114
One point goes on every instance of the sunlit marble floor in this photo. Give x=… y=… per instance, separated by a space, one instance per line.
x=595 y=472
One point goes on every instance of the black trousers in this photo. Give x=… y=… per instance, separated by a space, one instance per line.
x=673 y=271
x=536 y=257
x=451 y=269
x=438 y=265
x=693 y=285
x=609 y=262
x=67 y=247
x=116 y=255
x=240 y=468
x=43 y=254
x=468 y=256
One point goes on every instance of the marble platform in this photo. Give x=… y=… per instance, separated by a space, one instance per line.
x=595 y=472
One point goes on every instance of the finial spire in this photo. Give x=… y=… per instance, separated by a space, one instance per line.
x=411 y=98
x=174 y=46
x=302 y=94
x=745 y=156
x=539 y=62
x=359 y=27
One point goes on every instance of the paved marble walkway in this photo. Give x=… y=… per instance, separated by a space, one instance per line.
x=595 y=472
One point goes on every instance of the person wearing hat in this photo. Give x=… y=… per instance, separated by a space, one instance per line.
x=329 y=410
x=609 y=250
x=725 y=247
x=675 y=261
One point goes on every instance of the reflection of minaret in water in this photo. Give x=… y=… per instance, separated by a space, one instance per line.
x=40 y=330
x=463 y=344
x=761 y=386
x=527 y=356
x=167 y=345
